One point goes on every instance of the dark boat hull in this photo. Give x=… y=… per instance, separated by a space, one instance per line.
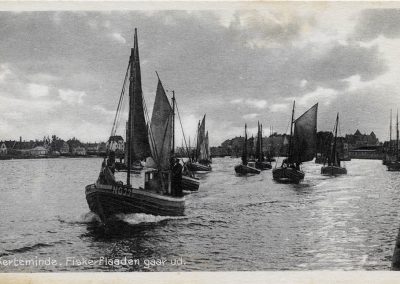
x=197 y=167
x=287 y=175
x=333 y=171
x=108 y=200
x=393 y=166
x=246 y=170
x=263 y=166
x=190 y=184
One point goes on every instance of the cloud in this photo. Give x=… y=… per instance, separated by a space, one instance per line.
x=71 y=96
x=37 y=91
x=118 y=37
x=373 y=23
x=278 y=107
x=4 y=72
x=252 y=102
x=231 y=64
x=320 y=95
x=250 y=116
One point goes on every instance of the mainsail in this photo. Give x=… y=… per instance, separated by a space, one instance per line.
x=202 y=140
x=305 y=136
x=161 y=129
x=140 y=148
x=207 y=145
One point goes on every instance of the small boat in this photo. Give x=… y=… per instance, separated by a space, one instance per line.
x=260 y=163
x=302 y=146
x=333 y=167
x=246 y=167
x=201 y=158
x=161 y=194
x=190 y=183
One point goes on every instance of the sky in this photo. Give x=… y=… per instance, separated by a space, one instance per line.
x=61 y=72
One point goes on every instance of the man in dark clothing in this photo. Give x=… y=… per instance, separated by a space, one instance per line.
x=176 y=179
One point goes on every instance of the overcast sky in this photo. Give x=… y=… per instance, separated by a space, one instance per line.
x=62 y=72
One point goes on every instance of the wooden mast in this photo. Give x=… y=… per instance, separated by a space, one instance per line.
x=130 y=116
x=291 y=133
x=333 y=154
x=390 y=133
x=173 y=123
x=397 y=135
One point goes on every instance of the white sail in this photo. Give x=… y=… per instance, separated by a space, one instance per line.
x=161 y=131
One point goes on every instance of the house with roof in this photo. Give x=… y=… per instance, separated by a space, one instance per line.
x=3 y=149
x=78 y=151
x=39 y=151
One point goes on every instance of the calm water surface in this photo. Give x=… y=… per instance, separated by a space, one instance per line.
x=232 y=223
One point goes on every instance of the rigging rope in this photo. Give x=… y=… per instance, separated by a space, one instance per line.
x=120 y=102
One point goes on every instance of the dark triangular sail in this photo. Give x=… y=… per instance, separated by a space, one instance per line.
x=161 y=129
x=140 y=148
x=305 y=136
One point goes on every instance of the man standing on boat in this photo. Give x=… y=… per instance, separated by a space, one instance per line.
x=176 y=179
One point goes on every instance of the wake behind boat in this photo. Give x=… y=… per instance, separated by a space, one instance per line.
x=302 y=144
x=162 y=191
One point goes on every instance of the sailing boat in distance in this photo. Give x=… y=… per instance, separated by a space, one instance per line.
x=333 y=168
x=302 y=146
x=161 y=194
x=200 y=161
x=394 y=163
x=246 y=167
x=261 y=163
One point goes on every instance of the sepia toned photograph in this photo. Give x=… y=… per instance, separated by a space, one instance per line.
x=166 y=137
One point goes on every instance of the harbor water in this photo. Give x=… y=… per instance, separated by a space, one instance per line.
x=233 y=223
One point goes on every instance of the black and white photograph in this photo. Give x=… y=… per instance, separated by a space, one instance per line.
x=208 y=136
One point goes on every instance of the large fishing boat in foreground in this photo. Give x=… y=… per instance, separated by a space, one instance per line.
x=160 y=194
x=302 y=146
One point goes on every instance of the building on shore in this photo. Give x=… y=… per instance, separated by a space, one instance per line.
x=3 y=149
x=78 y=151
x=39 y=151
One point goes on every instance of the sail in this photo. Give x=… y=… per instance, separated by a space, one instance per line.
x=207 y=146
x=161 y=129
x=140 y=147
x=202 y=140
x=305 y=136
x=258 y=143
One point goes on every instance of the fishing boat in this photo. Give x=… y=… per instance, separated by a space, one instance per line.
x=160 y=195
x=270 y=150
x=332 y=164
x=200 y=160
x=393 y=161
x=302 y=146
x=246 y=167
x=389 y=151
x=260 y=163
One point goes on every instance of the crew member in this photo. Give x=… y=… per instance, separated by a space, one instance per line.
x=176 y=179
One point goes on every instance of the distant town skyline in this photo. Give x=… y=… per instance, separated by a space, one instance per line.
x=61 y=72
